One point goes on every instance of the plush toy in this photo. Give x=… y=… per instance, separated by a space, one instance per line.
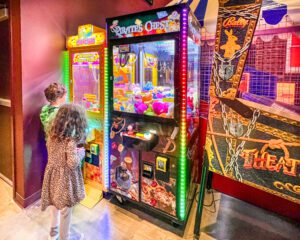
x=140 y=107
x=160 y=108
x=117 y=106
x=122 y=108
x=128 y=93
x=147 y=98
x=148 y=86
x=136 y=89
x=130 y=108
x=149 y=111
x=160 y=89
x=158 y=95
x=138 y=98
x=119 y=93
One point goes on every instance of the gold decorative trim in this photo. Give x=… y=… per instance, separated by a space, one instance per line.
x=279 y=118
x=222 y=2
x=210 y=153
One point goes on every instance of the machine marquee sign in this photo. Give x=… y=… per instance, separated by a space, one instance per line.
x=139 y=27
x=157 y=23
x=87 y=35
x=91 y=57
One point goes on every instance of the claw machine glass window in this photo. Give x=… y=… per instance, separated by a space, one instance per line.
x=144 y=78
x=193 y=91
x=86 y=74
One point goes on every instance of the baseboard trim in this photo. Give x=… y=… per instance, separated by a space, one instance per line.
x=25 y=202
x=5 y=179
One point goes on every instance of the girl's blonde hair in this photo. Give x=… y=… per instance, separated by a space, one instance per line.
x=70 y=123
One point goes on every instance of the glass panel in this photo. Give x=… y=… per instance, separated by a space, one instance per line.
x=144 y=78
x=193 y=94
x=272 y=71
x=85 y=68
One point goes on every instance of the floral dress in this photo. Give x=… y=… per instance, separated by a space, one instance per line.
x=63 y=182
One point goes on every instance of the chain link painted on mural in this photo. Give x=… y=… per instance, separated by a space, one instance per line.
x=288 y=137
x=245 y=12
x=234 y=129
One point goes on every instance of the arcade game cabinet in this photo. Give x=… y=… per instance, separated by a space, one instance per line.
x=86 y=77
x=153 y=128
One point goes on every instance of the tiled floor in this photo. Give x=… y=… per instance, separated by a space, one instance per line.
x=232 y=219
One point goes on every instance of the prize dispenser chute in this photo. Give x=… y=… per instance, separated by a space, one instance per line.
x=86 y=78
x=152 y=123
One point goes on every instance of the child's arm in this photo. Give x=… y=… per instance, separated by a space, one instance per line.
x=74 y=155
x=43 y=116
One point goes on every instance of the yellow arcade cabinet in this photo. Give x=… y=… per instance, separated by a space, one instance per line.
x=86 y=87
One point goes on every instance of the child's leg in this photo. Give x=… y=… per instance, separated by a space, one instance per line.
x=54 y=212
x=65 y=223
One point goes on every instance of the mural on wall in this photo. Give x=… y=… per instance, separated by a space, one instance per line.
x=253 y=131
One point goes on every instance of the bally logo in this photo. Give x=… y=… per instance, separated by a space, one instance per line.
x=233 y=22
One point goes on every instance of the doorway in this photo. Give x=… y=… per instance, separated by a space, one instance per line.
x=6 y=136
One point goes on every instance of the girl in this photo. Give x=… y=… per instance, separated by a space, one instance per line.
x=63 y=185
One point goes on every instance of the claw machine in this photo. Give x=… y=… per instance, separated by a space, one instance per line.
x=152 y=127
x=86 y=77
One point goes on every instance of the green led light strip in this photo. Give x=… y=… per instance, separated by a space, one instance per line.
x=106 y=120
x=66 y=72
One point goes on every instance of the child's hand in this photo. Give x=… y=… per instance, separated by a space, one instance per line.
x=80 y=145
x=81 y=152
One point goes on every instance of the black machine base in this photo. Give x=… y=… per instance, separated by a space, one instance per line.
x=152 y=215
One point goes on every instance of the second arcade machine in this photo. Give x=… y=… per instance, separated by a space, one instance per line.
x=153 y=133
x=86 y=69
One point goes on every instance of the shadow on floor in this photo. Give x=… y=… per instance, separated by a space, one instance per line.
x=243 y=221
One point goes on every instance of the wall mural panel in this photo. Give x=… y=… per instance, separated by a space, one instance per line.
x=253 y=129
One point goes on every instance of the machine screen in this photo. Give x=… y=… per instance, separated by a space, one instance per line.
x=148 y=168
x=161 y=163
x=144 y=78
x=85 y=69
